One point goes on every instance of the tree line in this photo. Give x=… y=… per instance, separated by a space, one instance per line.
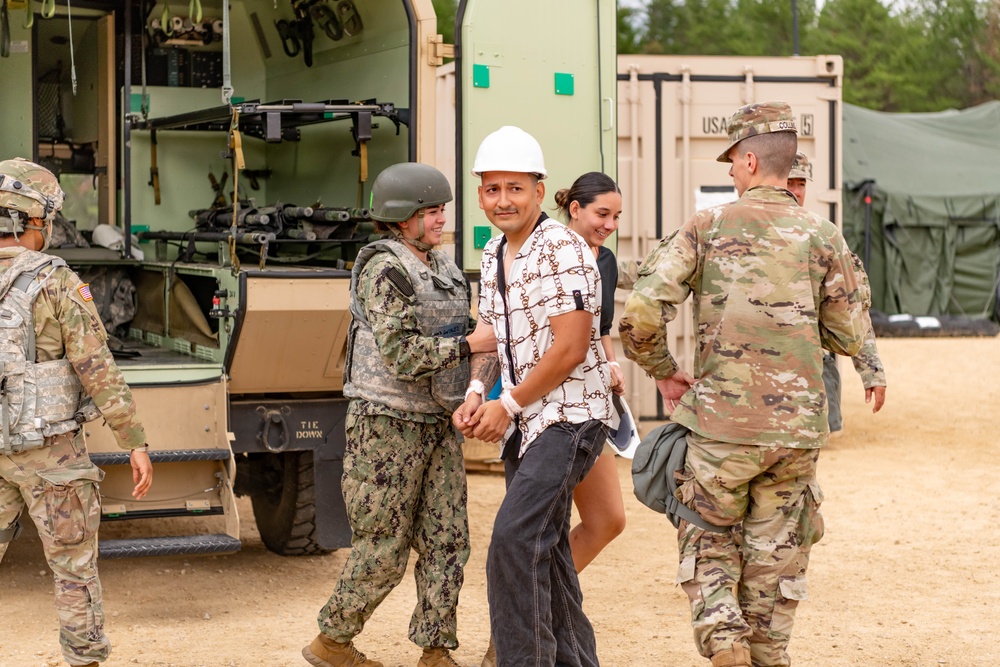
x=902 y=55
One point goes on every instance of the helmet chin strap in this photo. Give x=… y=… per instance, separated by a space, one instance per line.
x=46 y=230
x=416 y=243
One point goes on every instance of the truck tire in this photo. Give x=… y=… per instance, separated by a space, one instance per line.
x=284 y=503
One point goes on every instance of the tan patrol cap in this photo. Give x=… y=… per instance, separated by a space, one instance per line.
x=759 y=118
x=801 y=168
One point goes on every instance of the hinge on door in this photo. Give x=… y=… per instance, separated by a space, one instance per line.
x=438 y=50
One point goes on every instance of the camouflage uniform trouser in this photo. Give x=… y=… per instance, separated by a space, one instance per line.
x=404 y=487
x=59 y=486
x=745 y=584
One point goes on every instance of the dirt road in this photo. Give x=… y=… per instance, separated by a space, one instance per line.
x=907 y=575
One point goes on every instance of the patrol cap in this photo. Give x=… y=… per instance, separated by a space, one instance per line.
x=759 y=118
x=801 y=168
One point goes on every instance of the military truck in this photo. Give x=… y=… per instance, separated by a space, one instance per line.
x=217 y=158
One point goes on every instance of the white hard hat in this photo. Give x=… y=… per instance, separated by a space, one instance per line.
x=623 y=437
x=113 y=238
x=510 y=149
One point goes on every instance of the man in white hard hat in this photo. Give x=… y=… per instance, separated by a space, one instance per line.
x=867 y=362
x=540 y=295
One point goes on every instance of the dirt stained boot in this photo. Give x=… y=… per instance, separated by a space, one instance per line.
x=737 y=656
x=324 y=652
x=437 y=657
x=490 y=659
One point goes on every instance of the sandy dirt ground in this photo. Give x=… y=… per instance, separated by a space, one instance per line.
x=908 y=573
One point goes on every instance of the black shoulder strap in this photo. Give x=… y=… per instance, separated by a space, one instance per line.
x=513 y=444
x=502 y=287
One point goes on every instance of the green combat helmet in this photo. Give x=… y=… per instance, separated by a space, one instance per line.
x=754 y=119
x=801 y=168
x=402 y=190
x=27 y=190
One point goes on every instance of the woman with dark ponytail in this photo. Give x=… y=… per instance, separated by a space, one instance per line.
x=591 y=208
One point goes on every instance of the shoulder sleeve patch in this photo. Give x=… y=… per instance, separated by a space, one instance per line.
x=85 y=292
x=399 y=280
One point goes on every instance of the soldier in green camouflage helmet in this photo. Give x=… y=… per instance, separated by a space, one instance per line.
x=772 y=285
x=867 y=362
x=404 y=476
x=43 y=456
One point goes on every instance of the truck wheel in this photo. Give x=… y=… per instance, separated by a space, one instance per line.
x=284 y=503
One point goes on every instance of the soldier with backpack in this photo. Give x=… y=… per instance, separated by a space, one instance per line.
x=57 y=374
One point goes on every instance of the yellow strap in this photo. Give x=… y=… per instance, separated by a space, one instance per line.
x=48 y=8
x=236 y=146
x=236 y=143
x=165 y=20
x=234 y=261
x=236 y=140
x=194 y=11
x=364 y=162
x=362 y=171
x=29 y=16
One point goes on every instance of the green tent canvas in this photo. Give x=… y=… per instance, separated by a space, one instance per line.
x=922 y=208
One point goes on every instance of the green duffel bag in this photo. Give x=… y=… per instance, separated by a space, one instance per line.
x=658 y=456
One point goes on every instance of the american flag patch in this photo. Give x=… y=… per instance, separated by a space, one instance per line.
x=85 y=292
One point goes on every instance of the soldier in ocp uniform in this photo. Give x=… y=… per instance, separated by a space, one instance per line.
x=57 y=374
x=404 y=476
x=867 y=362
x=772 y=285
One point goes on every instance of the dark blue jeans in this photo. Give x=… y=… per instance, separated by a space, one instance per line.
x=536 y=607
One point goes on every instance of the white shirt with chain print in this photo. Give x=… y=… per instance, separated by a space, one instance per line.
x=554 y=273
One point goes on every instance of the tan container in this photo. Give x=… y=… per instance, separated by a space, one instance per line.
x=672 y=113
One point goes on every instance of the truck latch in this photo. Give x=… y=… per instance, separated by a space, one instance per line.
x=218 y=311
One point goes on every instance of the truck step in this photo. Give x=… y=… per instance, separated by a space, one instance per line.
x=161 y=513
x=168 y=546
x=162 y=456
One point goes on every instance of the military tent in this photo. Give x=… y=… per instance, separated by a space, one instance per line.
x=922 y=208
